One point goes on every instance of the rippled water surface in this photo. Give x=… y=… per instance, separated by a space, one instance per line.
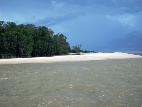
x=109 y=83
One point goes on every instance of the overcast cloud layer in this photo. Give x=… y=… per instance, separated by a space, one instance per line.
x=96 y=24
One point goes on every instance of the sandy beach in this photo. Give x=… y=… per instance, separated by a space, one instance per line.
x=70 y=58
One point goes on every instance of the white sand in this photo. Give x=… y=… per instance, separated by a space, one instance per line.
x=67 y=58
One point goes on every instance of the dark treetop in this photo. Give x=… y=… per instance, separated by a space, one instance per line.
x=29 y=40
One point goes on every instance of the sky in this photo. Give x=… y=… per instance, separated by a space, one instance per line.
x=102 y=25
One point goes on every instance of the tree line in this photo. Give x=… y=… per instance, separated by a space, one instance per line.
x=26 y=40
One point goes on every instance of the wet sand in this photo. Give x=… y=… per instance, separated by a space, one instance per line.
x=103 y=83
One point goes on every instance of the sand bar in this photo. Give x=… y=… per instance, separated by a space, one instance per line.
x=68 y=58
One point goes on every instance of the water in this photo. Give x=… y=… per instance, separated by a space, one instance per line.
x=109 y=83
x=137 y=53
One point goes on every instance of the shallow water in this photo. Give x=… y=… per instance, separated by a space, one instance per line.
x=109 y=83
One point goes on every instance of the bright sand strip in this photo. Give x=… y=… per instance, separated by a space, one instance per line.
x=68 y=58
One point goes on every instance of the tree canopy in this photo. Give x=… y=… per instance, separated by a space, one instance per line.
x=25 y=40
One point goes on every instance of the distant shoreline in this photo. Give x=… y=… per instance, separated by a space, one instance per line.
x=70 y=58
x=136 y=53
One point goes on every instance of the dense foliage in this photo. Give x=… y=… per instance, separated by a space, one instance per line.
x=76 y=49
x=29 y=40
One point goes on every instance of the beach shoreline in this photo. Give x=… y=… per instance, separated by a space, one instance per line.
x=70 y=58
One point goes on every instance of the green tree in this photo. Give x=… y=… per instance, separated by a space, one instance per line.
x=24 y=40
x=76 y=49
x=42 y=39
x=29 y=40
x=61 y=44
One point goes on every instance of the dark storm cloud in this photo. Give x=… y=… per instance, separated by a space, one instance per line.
x=92 y=23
